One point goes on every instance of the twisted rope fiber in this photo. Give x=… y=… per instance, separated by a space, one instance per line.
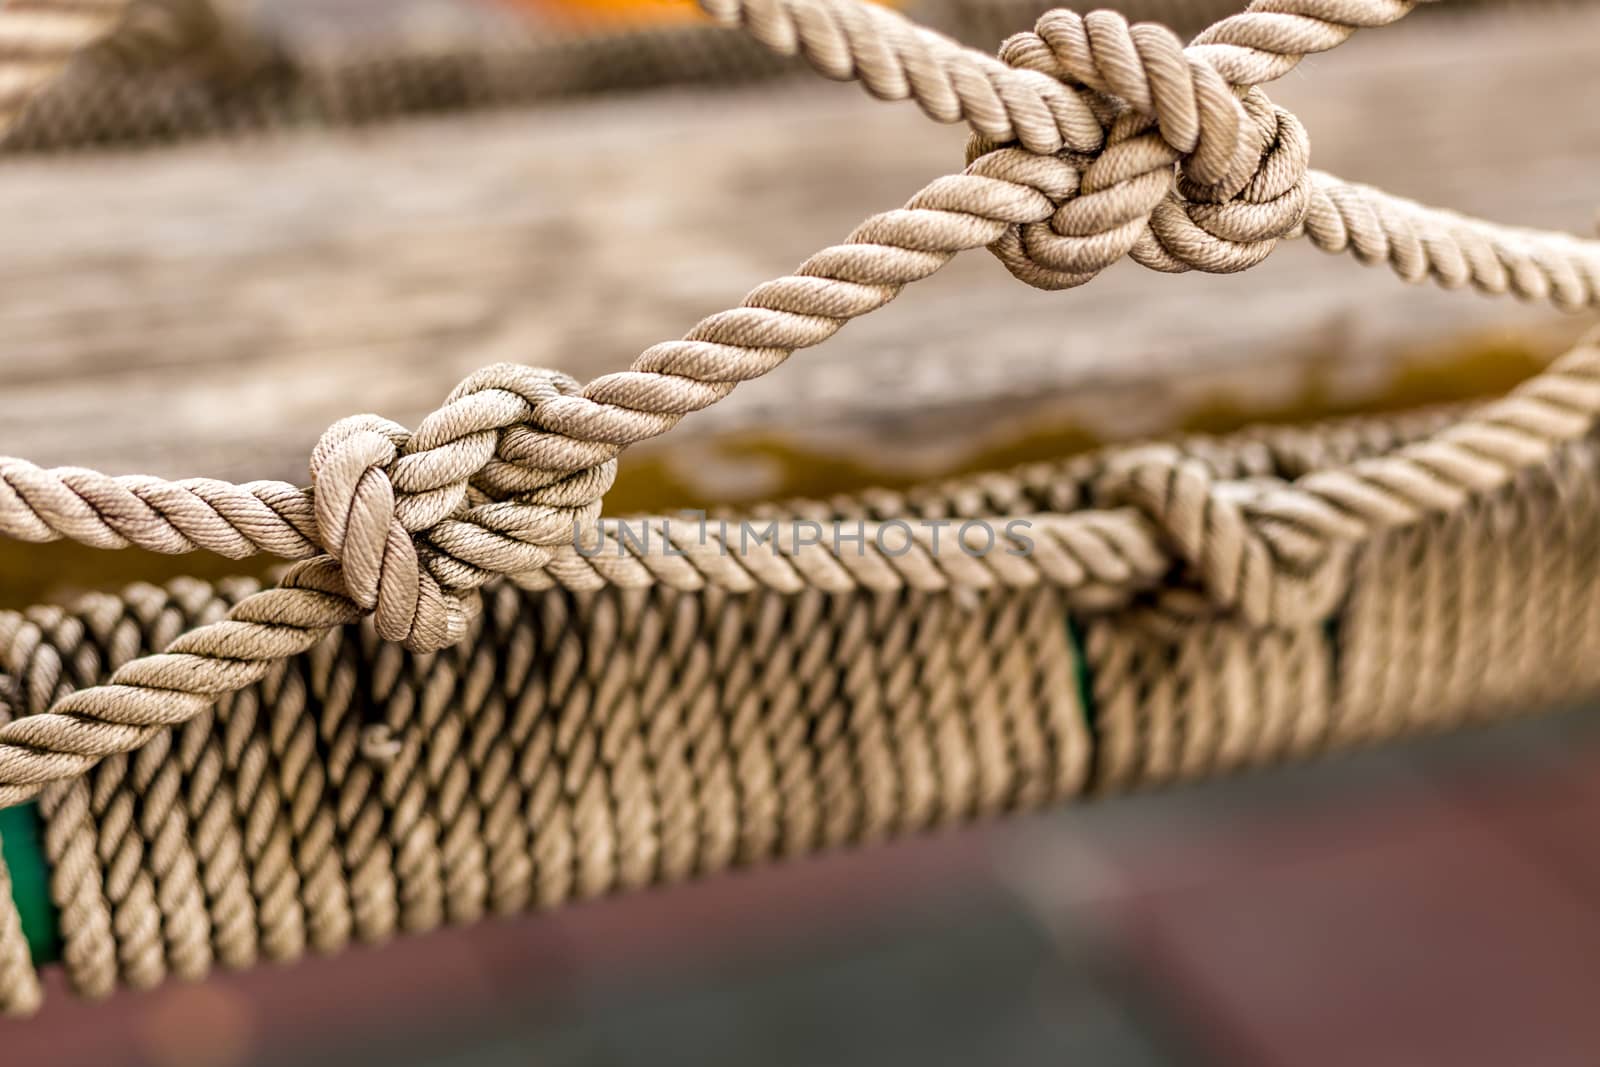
x=38 y=38
x=430 y=599
x=413 y=525
x=20 y=992
x=895 y=59
x=526 y=771
x=1224 y=217
x=1278 y=551
x=277 y=518
x=274 y=799
x=1244 y=162
x=459 y=552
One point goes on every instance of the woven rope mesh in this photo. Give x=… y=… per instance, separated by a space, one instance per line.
x=572 y=744
x=579 y=744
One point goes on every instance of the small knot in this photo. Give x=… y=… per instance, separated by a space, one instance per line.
x=1170 y=208
x=1272 y=553
x=419 y=521
x=379 y=745
x=358 y=517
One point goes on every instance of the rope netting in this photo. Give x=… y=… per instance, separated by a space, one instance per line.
x=467 y=693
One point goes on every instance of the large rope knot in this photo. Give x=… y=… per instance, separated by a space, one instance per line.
x=358 y=516
x=1191 y=175
x=1260 y=547
x=418 y=521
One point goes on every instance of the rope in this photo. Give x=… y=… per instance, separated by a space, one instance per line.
x=1226 y=214
x=1491 y=608
x=1098 y=559
x=575 y=745
x=205 y=835
x=895 y=59
x=20 y=993
x=38 y=38
x=408 y=527
x=578 y=743
x=1279 y=552
x=1244 y=162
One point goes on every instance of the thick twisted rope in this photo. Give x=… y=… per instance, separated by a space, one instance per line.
x=678 y=753
x=20 y=992
x=1243 y=189
x=403 y=543
x=382 y=498
x=1278 y=551
x=1098 y=558
x=1226 y=214
x=38 y=38
x=999 y=191
x=410 y=526
x=582 y=745
x=895 y=59
x=570 y=432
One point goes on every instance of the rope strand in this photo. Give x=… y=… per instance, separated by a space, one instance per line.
x=1130 y=145
x=37 y=40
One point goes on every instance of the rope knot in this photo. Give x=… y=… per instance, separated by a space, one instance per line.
x=418 y=521
x=1261 y=547
x=359 y=518
x=1191 y=176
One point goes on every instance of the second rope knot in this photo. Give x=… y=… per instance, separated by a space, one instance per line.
x=1191 y=175
x=418 y=521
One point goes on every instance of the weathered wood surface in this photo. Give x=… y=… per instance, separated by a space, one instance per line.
x=209 y=309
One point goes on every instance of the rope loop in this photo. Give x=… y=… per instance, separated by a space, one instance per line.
x=1233 y=225
x=1096 y=139
x=1278 y=553
x=1259 y=547
x=418 y=521
x=1192 y=175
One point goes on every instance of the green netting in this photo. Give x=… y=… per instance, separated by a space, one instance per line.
x=23 y=852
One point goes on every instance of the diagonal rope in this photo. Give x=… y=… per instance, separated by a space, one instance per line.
x=409 y=526
x=37 y=40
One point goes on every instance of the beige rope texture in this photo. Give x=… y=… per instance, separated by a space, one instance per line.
x=1278 y=552
x=1244 y=161
x=20 y=992
x=38 y=37
x=248 y=856
x=578 y=743
x=251 y=857
x=498 y=481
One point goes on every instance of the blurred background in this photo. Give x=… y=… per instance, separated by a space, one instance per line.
x=242 y=220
